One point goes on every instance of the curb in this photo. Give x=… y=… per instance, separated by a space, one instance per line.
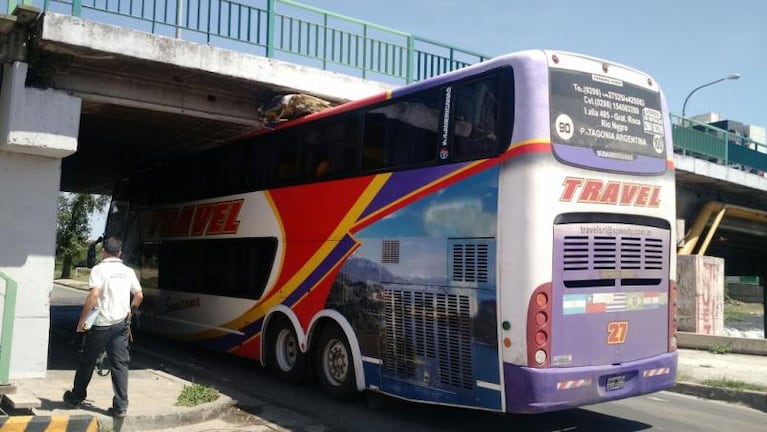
x=736 y=345
x=752 y=399
x=190 y=416
x=74 y=423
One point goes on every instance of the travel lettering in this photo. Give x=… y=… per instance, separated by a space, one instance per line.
x=612 y=192
x=197 y=220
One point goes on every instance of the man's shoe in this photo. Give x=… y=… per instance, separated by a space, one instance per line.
x=71 y=401
x=116 y=412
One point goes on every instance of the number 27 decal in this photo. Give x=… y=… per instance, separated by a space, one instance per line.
x=617 y=331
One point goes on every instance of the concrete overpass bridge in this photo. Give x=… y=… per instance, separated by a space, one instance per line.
x=84 y=102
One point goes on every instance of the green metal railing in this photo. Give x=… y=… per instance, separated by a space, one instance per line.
x=717 y=145
x=6 y=334
x=281 y=29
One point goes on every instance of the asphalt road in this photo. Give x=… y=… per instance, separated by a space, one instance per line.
x=262 y=395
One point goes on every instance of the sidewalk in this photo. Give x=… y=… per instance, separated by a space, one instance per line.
x=154 y=393
x=698 y=366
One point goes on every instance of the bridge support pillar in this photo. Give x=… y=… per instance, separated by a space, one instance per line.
x=37 y=129
x=701 y=294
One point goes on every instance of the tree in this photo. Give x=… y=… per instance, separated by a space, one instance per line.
x=73 y=226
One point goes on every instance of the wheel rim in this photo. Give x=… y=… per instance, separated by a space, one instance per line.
x=336 y=362
x=286 y=350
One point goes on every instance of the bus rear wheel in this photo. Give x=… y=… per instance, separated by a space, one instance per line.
x=284 y=356
x=335 y=364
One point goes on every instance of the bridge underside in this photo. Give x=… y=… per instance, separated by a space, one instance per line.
x=147 y=98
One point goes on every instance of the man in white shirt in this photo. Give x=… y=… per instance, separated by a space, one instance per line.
x=112 y=284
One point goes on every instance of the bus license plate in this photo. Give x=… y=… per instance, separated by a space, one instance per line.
x=616 y=382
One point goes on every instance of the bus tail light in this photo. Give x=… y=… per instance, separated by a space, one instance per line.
x=539 y=327
x=672 y=316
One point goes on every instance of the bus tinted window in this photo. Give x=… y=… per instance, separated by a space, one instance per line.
x=265 y=162
x=228 y=171
x=402 y=133
x=329 y=148
x=476 y=119
x=288 y=158
x=196 y=266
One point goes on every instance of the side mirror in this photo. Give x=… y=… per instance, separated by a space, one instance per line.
x=90 y=259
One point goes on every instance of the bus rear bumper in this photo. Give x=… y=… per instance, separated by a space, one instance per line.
x=530 y=390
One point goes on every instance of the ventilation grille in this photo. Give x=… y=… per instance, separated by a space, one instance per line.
x=431 y=326
x=612 y=253
x=390 y=252
x=470 y=263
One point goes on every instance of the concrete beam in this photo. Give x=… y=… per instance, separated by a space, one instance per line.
x=33 y=121
x=712 y=170
x=6 y=23
x=26 y=13
x=66 y=33
x=154 y=95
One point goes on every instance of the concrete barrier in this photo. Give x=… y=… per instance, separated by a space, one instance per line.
x=75 y=423
x=735 y=344
x=748 y=293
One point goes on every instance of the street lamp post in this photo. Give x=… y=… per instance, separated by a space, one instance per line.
x=728 y=77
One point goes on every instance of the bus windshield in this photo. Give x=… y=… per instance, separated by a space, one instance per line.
x=606 y=123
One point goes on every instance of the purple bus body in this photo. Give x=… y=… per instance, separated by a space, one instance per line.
x=530 y=390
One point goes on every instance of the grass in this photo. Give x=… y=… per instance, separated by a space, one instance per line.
x=196 y=394
x=719 y=349
x=81 y=276
x=735 y=311
x=733 y=384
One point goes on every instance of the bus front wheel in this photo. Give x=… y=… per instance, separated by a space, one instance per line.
x=285 y=358
x=335 y=364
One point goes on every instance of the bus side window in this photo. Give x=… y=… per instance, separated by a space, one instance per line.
x=288 y=159
x=373 y=141
x=315 y=149
x=342 y=147
x=196 y=266
x=476 y=123
x=228 y=171
x=264 y=156
x=408 y=135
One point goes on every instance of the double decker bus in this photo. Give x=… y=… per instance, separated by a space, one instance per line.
x=498 y=237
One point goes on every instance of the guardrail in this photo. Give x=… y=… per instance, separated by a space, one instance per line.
x=703 y=141
x=282 y=29
x=6 y=335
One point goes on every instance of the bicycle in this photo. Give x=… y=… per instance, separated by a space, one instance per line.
x=102 y=364
x=102 y=361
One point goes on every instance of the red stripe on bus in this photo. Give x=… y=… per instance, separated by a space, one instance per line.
x=309 y=215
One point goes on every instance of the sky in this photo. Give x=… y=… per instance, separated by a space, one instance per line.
x=682 y=44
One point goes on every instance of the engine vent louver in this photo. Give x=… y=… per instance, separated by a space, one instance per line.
x=430 y=326
x=599 y=260
x=470 y=262
x=611 y=253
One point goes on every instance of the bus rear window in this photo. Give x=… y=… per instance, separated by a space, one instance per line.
x=606 y=123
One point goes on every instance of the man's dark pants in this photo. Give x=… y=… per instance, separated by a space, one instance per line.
x=114 y=339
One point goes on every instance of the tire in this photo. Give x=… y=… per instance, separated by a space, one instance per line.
x=284 y=356
x=334 y=365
